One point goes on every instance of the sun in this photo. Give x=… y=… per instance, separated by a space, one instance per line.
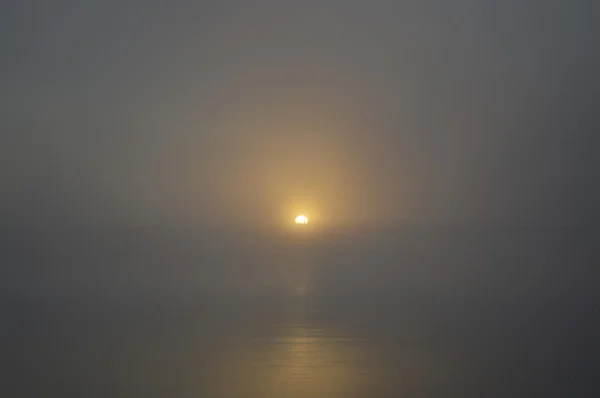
x=301 y=219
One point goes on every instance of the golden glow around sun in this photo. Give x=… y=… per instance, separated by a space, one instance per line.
x=301 y=219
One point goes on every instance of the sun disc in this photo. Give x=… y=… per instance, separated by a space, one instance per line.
x=301 y=219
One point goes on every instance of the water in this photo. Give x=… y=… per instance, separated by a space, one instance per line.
x=515 y=318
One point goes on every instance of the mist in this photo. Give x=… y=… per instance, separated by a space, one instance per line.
x=154 y=156
x=119 y=113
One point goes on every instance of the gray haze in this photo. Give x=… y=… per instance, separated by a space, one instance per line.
x=154 y=154
x=220 y=113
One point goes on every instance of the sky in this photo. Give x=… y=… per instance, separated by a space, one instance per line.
x=245 y=113
x=469 y=127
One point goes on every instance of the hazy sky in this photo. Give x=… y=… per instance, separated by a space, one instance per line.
x=246 y=112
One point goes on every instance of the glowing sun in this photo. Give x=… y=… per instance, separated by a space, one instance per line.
x=301 y=219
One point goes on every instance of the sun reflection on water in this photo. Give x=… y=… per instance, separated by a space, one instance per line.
x=301 y=362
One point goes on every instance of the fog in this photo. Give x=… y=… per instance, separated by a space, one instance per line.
x=235 y=113
x=154 y=156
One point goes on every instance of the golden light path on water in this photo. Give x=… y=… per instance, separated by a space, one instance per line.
x=303 y=361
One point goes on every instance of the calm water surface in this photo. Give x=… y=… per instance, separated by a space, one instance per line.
x=299 y=347
x=467 y=317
